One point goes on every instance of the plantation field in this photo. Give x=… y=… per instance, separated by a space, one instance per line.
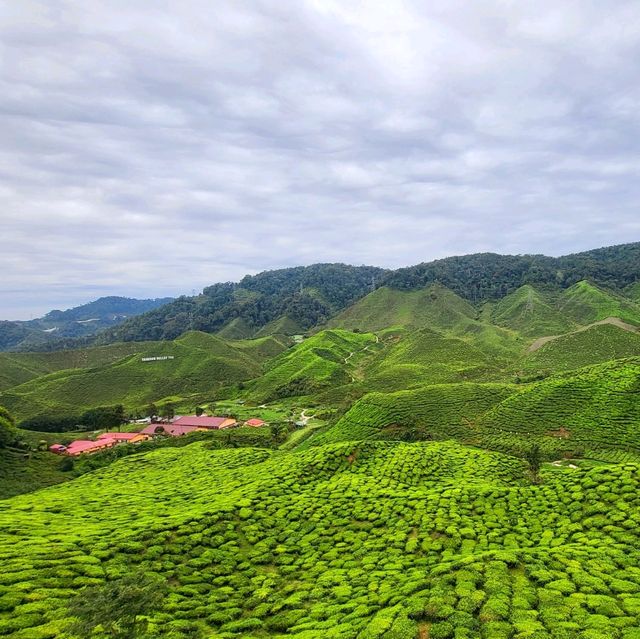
x=599 y=343
x=355 y=539
x=195 y=363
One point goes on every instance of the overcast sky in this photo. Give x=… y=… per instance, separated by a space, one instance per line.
x=152 y=148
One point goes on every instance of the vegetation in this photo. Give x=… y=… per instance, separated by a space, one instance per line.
x=442 y=463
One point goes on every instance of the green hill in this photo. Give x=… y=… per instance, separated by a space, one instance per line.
x=237 y=328
x=16 y=368
x=585 y=304
x=195 y=363
x=593 y=345
x=529 y=313
x=435 y=307
x=281 y=326
x=439 y=411
x=370 y=540
x=318 y=363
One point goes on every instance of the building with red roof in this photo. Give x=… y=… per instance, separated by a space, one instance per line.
x=202 y=421
x=80 y=446
x=254 y=423
x=132 y=438
x=57 y=448
x=174 y=430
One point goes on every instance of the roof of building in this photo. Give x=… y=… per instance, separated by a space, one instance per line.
x=202 y=421
x=85 y=445
x=255 y=422
x=170 y=429
x=118 y=436
x=56 y=448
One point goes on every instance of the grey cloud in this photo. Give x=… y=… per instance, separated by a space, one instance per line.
x=153 y=149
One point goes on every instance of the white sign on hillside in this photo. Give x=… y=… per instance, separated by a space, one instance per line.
x=156 y=359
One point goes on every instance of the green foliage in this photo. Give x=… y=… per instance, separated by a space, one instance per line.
x=355 y=539
x=117 y=606
x=7 y=427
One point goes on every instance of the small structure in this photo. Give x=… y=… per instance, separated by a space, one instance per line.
x=59 y=449
x=81 y=446
x=254 y=423
x=202 y=421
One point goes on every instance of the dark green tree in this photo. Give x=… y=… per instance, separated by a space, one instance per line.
x=534 y=459
x=7 y=428
x=118 y=606
x=168 y=411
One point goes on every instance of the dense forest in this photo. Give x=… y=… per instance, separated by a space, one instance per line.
x=307 y=295
x=485 y=276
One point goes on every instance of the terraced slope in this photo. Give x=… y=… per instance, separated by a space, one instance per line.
x=17 y=368
x=434 y=306
x=201 y=362
x=440 y=411
x=594 y=411
x=585 y=304
x=596 y=344
x=237 y=328
x=318 y=363
x=355 y=540
x=529 y=313
x=281 y=326
x=591 y=408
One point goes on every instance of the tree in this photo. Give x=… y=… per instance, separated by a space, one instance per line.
x=534 y=459
x=7 y=428
x=151 y=410
x=167 y=411
x=279 y=433
x=199 y=410
x=119 y=606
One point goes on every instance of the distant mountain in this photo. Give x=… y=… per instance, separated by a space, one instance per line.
x=56 y=328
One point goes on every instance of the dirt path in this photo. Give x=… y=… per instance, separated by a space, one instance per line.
x=615 y=321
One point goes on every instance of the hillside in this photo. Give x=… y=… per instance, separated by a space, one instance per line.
x=320 y=362
x=592 y=345
x=585 y=303
x=531 y=314
x=594 y=411
x=365 y=540
x=434 y=306
x=195 y=364
x=56 y=328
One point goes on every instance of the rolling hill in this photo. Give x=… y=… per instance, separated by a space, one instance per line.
x=194 y=364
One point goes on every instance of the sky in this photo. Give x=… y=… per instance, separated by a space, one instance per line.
x=153 y=148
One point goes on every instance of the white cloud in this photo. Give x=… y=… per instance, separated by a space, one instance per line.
x=153 y=149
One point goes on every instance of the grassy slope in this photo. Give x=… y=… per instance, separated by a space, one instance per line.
x=202 y=362
x=528 y=312
x=354 y=540
x=237 y=328
x=585 y=304
x=313 y=365
x=282 y=326
x=592 y=410
x=17 y=368
x=599 y=343
x=434 y=306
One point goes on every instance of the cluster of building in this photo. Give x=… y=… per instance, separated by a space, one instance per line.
x=174 y=428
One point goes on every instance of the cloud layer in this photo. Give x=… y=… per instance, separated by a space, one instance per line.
x=154 y=148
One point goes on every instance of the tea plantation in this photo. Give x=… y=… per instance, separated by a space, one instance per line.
x=346 y=540
x=470 y=471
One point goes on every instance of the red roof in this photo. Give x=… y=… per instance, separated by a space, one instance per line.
x=85 y=446
x=57 y=448
x=118 y=436
x=201 y=422
x=174 y=430
x=255 y=422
